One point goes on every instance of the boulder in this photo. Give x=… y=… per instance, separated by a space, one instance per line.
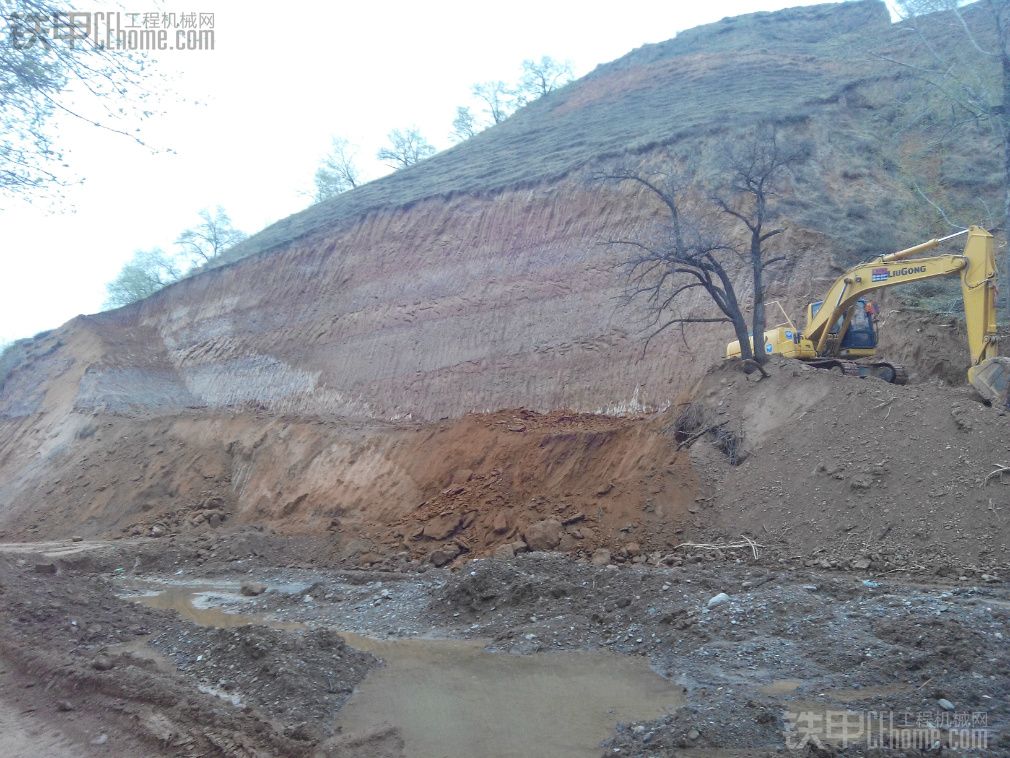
x=861 y=482
x=441 y=527
x=501 y=522
x=101 y=663
x=444 y=554
x=507 y=550
x=543 y=535
x=718 y=600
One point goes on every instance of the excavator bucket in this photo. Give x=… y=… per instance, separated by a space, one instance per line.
x=991 y=378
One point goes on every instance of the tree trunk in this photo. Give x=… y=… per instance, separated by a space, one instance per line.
x=758 y=317
x=740 y=327
x=734 y=313
x=1004 y=117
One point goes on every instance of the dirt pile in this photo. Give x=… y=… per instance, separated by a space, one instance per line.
x=557 y=481
x=853 y=473
x=300 y=679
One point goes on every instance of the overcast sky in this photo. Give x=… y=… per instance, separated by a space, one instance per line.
x=247 y=123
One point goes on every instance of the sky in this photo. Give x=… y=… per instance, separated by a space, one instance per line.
x=245 y=125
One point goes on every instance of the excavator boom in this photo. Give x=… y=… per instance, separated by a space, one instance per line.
x=858 y=282
x=977 y=266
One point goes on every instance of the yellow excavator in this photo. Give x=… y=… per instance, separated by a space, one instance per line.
x=841 y=332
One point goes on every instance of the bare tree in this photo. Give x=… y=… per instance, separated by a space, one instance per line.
x=692 y=248
x=498 y=99
x=46 y=52
x=407 y=147
x=542 y=77
x=146 y=273
x=464 y=126
x=337 y=173
x=685 y=252
x=963 y=54
x=211 y=237
x=755 y=168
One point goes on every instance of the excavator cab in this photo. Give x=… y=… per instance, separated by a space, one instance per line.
x=856 y=328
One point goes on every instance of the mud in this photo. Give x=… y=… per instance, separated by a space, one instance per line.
x=351 y=662
x=448 y=697
x=201 y=605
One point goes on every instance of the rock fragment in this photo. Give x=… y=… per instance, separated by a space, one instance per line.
x=718 y=600
x=543 y=535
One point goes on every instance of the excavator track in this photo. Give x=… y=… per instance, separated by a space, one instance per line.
x=847 y=368
x=891 y=373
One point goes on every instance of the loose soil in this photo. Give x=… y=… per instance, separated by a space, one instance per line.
x=845 y=471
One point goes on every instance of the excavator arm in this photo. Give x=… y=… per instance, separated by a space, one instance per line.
x=864 y=279
x=976 y=266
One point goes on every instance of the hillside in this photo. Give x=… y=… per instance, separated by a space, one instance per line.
x=477 y=280
x=784 y=65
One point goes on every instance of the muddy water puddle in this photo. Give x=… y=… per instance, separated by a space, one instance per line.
x=196 y=603
x=781 y=687
x=449 y=697
x=139 y=648
x=452 y=698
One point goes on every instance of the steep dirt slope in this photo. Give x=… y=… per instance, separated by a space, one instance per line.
x=808 y=465
x=478 y=280
x=466 y=486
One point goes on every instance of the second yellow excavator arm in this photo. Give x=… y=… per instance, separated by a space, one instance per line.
x=976 y=266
